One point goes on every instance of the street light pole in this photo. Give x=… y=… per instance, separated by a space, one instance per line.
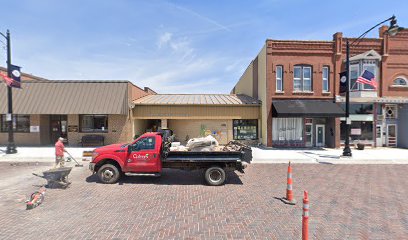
x=11 y=147
x=347 y=150
x=392 y=31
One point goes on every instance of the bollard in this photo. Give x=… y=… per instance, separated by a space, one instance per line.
x=305 y=219
x=289 y=189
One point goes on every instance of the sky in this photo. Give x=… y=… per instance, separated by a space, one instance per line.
x=172 y=46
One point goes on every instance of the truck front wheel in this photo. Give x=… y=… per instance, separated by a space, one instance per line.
x=214 y=176
x=108 y=173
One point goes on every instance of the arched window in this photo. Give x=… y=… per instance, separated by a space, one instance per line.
x=399 y=81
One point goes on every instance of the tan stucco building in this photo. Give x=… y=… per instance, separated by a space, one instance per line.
x=225 y=116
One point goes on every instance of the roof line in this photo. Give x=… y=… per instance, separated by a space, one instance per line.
x=301 y=41
x=198 y=104
x=77 y=81
x=207 y=94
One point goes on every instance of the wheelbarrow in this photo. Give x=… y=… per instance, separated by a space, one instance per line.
x=56 y=177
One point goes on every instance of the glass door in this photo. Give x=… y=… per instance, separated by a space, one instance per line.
x=58 y=125
x=320 y=135
x=379 y=135
x=309 y=134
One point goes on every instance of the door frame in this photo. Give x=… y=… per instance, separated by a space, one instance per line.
x=60 y=132
x=144 y=160
x=317 y=135
x=396 y=134
x=311 y=134
x=381 y=138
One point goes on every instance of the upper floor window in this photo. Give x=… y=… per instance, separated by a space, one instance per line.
x=279 y=78
x=357 y=68
x=325 y=83
x=358 y=64
x=302 y=79
x=400 y=82
x=370 y=66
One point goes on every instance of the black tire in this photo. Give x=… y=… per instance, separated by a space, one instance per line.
x=109 y=173
x=215 y=176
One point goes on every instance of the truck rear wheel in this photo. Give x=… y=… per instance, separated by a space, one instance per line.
x=215 y=176
x=108 y=173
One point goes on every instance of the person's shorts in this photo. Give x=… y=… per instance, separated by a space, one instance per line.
x=59 y=160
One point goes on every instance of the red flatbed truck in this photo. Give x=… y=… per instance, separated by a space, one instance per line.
x=149 y=154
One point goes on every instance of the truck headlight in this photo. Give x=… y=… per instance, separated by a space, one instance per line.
x=94 y=155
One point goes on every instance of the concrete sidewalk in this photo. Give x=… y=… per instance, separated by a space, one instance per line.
x=331 y=156
x=39 y=154
x=328 y=156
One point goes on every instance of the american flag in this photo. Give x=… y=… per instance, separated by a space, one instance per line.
x=7 y=79
x=367 y=78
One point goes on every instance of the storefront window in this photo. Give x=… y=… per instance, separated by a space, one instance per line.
x=21 y=123
x=287 y=129
x=94 y=123
x=359 y=130
x=359 y=108
x=245 y=129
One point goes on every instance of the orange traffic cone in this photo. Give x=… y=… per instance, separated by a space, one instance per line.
x=289 y=190
x=305 y=219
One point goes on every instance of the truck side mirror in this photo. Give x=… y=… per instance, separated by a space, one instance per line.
x=129 y=148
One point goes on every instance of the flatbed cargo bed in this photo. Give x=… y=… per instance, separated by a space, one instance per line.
x=179 y=156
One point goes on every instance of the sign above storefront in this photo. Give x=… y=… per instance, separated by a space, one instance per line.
x=34 y=129
x=355 y=131
x=72 y=128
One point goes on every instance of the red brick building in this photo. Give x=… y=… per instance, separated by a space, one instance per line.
x=298 y=84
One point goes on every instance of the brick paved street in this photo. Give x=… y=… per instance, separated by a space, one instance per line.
x=346 y=202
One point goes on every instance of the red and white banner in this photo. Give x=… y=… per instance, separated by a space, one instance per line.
x=7 y=79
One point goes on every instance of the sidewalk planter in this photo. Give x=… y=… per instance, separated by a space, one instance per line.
x=360 y=146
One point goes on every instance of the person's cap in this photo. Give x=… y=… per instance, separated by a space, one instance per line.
x=61 y=139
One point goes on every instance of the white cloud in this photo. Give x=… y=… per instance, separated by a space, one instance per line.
x=202 y=17
x=164 y=39
x=181 y=46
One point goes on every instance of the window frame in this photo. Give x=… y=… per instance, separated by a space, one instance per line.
x=400 y=85
x=106 y=129
x=235 y=124
x=15 y=119
x=303 y=78
x=364 y=67
x=354 y=66
x=394 y=108
x=360 y=66
x=279 y=79
x=135 y=146
x=327 y=79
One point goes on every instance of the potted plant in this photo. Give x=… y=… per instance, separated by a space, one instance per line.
x=360 y=145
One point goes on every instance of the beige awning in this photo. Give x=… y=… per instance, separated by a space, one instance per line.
x=196 y=99
x=68 y=97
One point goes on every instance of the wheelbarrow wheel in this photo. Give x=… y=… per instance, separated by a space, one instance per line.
x=108 y=173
